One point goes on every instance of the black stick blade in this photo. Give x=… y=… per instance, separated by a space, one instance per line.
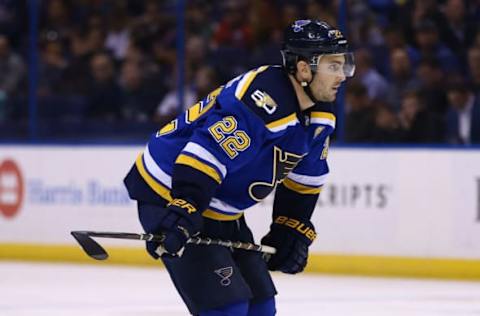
x=90 y=246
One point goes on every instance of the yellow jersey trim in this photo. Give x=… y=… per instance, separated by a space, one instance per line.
x=152 y=183
x=300 y=188
x=200 y=166
x=323 y=115
x=221 y=217
x=249 y=79
x=283 y=121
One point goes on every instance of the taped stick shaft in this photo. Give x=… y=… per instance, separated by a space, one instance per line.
x=96 y=251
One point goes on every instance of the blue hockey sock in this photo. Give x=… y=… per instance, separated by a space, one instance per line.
x=236 y=309
x=263 y=308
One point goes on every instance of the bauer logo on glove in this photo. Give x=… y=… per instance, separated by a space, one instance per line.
x=183 y=204
x=297 y=225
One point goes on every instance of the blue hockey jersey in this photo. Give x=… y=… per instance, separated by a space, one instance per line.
x=247 y=138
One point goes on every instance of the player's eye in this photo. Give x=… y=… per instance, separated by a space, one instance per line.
x=334 y=67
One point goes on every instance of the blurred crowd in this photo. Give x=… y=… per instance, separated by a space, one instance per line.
x=108 y=67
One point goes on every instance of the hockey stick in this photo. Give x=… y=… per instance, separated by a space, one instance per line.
x=95 y=251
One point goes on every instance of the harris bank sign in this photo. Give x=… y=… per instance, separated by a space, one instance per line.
x=19 y=189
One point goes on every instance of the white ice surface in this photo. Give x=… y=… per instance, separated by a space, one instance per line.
x=34 y=289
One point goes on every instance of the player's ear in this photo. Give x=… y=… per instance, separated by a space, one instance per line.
x=304 y=73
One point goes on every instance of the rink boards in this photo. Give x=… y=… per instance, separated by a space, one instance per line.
x=388 y=211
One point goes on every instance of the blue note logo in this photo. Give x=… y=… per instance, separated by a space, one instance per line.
x=283 y=163
x=298 y=25
x=225 y=274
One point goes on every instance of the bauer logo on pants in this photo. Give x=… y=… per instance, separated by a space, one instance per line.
x=11 y=188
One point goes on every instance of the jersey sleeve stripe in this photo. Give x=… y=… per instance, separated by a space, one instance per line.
x=152 y=183
x=314 y=181
x=218 y=210
x=245 y=82
x=200 y=166
x=283 y=123
x=154 y=170
x=324 y=118
x=164 y=192
x=300 y=188
x=202 y=153
x=220 y=205
x=220 y=175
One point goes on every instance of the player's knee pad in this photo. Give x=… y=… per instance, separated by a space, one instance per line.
x=263 y=308
x=236 y=309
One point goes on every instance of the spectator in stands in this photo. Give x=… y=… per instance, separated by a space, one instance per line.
x=474 y=68
x=13 y=13
x=266 y=33
x=118 y=33
x=52 y=66
x=463 y=116
x=105 y=94
x=457 y=28
x=423 y=10
x=12 y=72
x=417 y=124
x=232 y=40
x=386 y=127
x=402 y=77
x=196 y=52
x=377 y=86
x=263 y=19
x=432 y=85
x=163 y=51
x=359 y=120
x=198 y=18
x=85 y=42
x=12 y=68
x=475 y=10
x=56 y=21
x=205 y=81
x=138 y=100
x=413 y=13
x=233 y=29
x=152 y=25
x=320 y=10
x=476 y=41
x=391 y=38
x=157 y=73
x=289 y=12
x=429 y=45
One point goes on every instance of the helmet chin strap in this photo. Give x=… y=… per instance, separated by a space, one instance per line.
x=306 y=87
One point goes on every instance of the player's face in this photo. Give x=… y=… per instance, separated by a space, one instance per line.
x=328 y=77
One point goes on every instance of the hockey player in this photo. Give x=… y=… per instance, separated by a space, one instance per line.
x=265 y=130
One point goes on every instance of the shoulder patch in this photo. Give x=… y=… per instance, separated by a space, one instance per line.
x=263 y=100
x=270 y=95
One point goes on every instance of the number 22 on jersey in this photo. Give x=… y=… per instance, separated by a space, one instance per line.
x=230 y=139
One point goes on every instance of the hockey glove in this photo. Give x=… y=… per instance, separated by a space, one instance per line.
x=178 y=222
x=291 y=238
